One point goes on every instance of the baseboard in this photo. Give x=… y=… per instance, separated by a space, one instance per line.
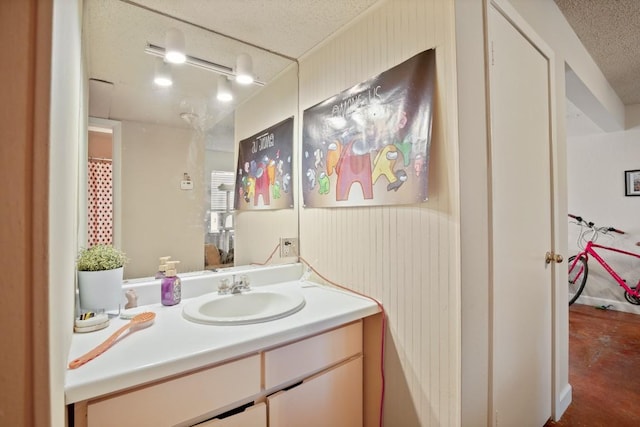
x=611 y=304
x=563 y=402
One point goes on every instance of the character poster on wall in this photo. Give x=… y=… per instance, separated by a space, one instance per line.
x=264 y=173
x=369 y=145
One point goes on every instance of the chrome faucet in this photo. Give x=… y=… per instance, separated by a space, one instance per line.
x=236 y=287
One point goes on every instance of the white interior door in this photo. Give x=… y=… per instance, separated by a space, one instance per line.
x=522 y=228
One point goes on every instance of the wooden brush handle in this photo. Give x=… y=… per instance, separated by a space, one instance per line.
x=141 y=318
x=100 y=348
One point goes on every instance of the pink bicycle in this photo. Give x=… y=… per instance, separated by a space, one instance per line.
x=579 y=269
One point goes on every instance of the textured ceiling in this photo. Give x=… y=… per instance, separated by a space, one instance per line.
x=115 y=33
x=610 y=31
x=290 y=27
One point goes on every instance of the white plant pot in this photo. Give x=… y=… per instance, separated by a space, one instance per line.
x=100 y=290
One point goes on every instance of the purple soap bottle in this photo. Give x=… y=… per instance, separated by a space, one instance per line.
x=170 y=286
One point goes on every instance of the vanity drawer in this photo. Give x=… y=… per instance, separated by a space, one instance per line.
x=302 y=358
x=180 y=399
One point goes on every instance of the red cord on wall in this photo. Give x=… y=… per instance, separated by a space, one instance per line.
x=268 y=259
x=384 y=327
x=384 y=323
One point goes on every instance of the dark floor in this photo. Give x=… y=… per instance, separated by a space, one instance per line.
x=604 y=368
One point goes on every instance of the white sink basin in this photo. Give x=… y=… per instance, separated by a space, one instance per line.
x=254 y=306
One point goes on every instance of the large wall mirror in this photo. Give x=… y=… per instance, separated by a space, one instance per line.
x=165 y=150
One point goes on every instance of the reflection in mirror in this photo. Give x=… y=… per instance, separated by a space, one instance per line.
x=176 y=142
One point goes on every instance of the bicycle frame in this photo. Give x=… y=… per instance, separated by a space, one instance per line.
x=590 y=251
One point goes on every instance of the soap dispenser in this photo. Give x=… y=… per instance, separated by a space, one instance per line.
x=163 y=267
x=170 y=286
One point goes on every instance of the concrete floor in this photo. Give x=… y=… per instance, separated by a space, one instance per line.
x=604 y=368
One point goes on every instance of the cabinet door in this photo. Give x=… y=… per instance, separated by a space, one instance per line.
x=331 y=398
x=179 y=400
x=255 y=416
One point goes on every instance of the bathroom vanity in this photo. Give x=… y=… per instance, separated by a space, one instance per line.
x=316 y=367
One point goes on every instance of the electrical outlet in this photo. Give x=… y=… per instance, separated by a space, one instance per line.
x=288 y=247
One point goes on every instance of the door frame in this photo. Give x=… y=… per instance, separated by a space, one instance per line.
x=560 y=390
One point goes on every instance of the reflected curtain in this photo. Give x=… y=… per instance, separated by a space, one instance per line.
x=100 y=202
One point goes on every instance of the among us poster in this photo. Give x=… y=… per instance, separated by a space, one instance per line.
x=369 y=145
x=264 y=173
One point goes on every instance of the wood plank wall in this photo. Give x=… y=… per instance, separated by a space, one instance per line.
x=405 y=256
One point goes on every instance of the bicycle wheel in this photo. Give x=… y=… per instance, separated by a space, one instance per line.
x=632 y=299
x=577 y=277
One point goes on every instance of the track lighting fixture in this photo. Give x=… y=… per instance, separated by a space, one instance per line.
x=206 y=65
x=174 y=52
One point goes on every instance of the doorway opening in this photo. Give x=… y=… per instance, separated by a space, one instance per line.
x=101 y=186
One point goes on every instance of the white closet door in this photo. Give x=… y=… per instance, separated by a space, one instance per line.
x=522 y=226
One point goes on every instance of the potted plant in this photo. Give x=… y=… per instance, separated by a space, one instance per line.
x=100 y=269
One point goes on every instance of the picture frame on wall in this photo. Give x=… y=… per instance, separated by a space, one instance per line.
x=632 y=183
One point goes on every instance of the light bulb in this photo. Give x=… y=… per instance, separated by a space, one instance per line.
x=163 y=75
x=224 y=90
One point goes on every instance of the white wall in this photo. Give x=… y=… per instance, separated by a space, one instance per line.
x=218 y=161
x=405 y=256
x=158 y=218
x=587 y=86
x=474 y=213
x=67 y=126
x=596 y=192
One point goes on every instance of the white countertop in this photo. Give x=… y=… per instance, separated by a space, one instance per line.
x=174 y=345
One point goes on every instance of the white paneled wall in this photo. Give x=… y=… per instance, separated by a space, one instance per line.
x=405 y=256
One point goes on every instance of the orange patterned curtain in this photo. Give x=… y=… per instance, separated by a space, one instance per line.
x=100 y=203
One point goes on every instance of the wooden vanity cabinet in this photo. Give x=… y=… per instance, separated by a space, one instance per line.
x=315 y=381
x=177 y=400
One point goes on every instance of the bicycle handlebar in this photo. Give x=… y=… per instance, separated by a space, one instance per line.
x=616 y=230
x=591 y=224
